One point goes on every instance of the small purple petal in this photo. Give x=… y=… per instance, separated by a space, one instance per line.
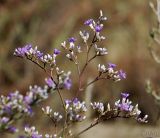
x=111 y=65
x=122 y=74
x=72 y=40
x=68 y=83
x=125 y=107
x=88 y=22
x=28 y=99
x=21 y=51
x=75 y=100
x=35 y=135
x=7 y=109
x=12 y=129
x=39 y=54
x=124 y=95
x=30 y=111
x=4 y=120
x=98 y=28
x=56 y=51
x=50 y=83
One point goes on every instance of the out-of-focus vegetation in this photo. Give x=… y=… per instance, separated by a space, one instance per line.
x=47 y=23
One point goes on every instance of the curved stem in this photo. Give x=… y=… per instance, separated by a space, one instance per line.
x=99 y=120
x=96 y=79
x=92 y=125
x=61 y=98
x=43 y=68
x=88 y=61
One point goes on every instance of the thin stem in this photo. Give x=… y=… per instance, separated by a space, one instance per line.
x=90 y=83
x=55 y=128
x=85 y=65
x=65 y=117
x=37 y=64
x=99 y=120
x=64 y=107
x=61 y=98
x=79 y=78
x=88 y=50
x=78 y=69
x=92 y=125
x=88 y=61
x=80 y=74
x=93 y=81
x=42 y=67
x=92 y=58
x=54 y=123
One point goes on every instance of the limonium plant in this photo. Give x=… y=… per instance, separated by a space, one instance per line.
x=15 y=105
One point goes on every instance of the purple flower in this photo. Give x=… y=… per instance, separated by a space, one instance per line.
x=111 y=65
x=98 y=28
x=39 y=54
x=67 y=102
x=88 y=22
x=72 y=40
x=21 y=51
x=7 y=109
x=122 y=74
x=124 y=106
x=4 y=120
x=30 y=111
x=75 y=100
x=67 y=83
x=56 y=51
x=12 y=129
x=28 y=99
x=75 y=110
x=98 y=106
x=50 y=82
x=124 y=95
x=35 y=135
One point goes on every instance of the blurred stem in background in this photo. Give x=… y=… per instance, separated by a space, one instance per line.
x=155 y=36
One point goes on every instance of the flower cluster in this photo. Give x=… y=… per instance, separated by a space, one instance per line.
x=123 y=108
x=15 y=105
x=84 y=35
x=110 y=73
x=97 y=26
x=100 y=51
x=125 y=105
x=71 y=49
x=42 y=60
x=75 y=110
x=98 y=106
x=12 y=107
x=36 y=94
x=50 y=59
x=56 y=116
x=36 y=55
x=31 y=132
x=63 y=80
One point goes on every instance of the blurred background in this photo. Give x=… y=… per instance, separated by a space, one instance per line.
x=47 y=23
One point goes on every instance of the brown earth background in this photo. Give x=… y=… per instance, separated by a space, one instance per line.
x=47 y=23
